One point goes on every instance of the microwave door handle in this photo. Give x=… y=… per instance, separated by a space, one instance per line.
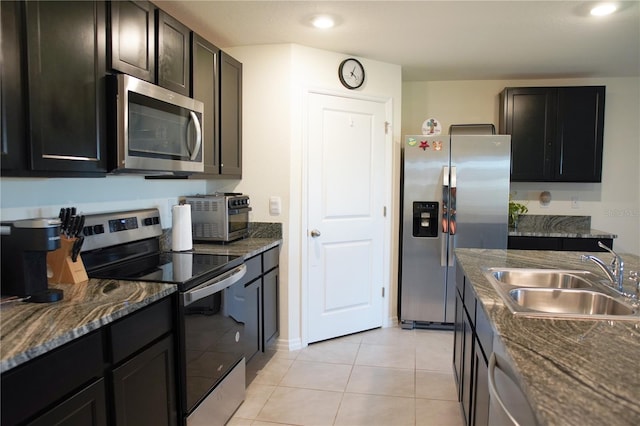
x=196 y=122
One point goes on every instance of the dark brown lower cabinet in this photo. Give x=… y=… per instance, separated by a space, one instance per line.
x=100 y=378
x=144 y=387
x=473 y=343
x=557 y=243
x=253 y=301
x=86 y=408
x=270 y=306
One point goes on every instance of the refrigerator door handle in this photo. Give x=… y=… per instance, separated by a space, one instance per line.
x=445 y=199
x=452 y=201
x=445 y=216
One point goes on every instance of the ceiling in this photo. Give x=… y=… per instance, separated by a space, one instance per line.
x=438 y=40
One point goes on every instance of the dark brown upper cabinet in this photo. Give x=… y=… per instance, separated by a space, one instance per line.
x=556 y=132
x=132 y=39
x=12 y=91
x=151 y=45
x=174 y=58
x=65 y=52
x=230 y=116
x=205 y=83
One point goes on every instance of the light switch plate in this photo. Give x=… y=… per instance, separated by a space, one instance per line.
x=275 y=206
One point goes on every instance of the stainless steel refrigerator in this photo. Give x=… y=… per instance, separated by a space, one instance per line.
x=455 y=193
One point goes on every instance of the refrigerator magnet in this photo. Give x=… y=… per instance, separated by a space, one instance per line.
x=431 y=126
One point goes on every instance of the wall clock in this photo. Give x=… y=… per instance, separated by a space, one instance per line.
x=351 y=73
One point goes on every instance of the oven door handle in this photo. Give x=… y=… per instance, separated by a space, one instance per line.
x=214 y=285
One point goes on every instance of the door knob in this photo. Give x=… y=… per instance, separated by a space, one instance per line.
x=315 y=233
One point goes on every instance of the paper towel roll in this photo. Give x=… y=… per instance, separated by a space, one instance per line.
x=181 y=227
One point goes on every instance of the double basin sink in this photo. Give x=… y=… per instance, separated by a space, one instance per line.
x=560 y=294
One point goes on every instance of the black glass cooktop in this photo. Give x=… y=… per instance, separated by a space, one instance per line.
x=185 y=269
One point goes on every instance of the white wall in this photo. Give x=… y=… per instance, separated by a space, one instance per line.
x=613 y=204
x=276 y=80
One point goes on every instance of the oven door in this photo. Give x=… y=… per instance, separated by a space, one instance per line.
x=157 y=129
x=213 y=377
x=238 y=223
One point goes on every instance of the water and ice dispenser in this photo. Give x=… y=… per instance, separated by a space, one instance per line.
x=425 y=218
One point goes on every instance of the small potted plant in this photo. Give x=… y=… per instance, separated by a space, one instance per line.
x=515 y=210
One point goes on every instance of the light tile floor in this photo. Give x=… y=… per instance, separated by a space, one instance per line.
x=386 y=377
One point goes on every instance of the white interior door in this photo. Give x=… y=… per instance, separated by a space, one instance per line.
x=345 y=215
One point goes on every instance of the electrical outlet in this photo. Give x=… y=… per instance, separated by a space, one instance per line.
x=575 y=203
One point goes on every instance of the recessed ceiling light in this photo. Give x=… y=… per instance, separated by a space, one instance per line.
x=323 y=21
x=603 y=9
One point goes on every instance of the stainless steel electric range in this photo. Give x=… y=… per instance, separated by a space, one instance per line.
x=126 y=246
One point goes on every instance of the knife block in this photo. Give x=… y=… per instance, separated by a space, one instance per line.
x=61 y=269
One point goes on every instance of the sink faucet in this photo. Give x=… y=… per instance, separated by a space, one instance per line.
x=615 y=271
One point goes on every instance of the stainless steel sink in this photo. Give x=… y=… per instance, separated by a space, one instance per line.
x=555 y=293
x=544 y=278
x=581 y=302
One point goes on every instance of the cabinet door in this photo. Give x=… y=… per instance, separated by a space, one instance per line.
x=467 y=369
x=481 y=390
x=230 y=116
x=204 y=66
x=174 y=57
x=48 y=379
x=253 y=316
x=12 y=93
x=529 y=117
x=579 y=133
x=144 y=387
x=458 y=344
x=132 y=38
x=270 y=307
x=86 y=408
x=66 y=76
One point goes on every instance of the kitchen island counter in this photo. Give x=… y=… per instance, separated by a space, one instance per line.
x=32 y=329
x=573 y=372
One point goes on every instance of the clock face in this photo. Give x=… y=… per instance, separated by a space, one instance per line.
x=351 y=73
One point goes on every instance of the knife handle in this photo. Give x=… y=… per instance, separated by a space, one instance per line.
x=75 y=251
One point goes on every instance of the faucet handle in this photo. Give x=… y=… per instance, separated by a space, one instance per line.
x=616 y=258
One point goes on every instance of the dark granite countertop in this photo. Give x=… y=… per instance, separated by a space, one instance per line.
x=573 y=372
x=247 y=247
x=557 y=226
x=32 y=329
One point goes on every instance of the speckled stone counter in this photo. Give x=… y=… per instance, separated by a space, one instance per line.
x=32 y=329
x=246 y=248
x=557 y=226
x=573 y=372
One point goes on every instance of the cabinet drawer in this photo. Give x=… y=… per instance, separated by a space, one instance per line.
x=484 y=331
x=469 y=298
x=270 y=259
x=140 y=328
x=39 y=383
x=254 y=268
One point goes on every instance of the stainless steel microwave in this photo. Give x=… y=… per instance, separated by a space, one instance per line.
x=155 y=129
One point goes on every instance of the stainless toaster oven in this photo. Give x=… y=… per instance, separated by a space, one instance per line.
x=220 y=217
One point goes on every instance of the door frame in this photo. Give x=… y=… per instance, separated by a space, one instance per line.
x=387 y=199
